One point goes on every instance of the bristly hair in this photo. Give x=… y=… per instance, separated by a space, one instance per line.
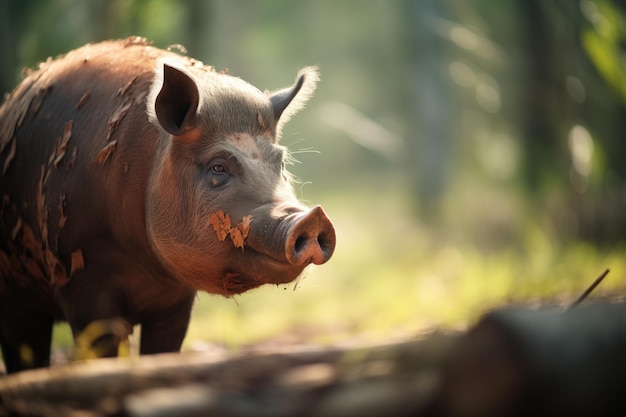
x=308 y=77
x=289 y=160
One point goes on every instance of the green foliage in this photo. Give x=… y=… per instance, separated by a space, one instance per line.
x=603 y=41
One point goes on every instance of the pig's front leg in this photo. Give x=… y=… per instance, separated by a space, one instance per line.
x=95 y=313
x=166 y=331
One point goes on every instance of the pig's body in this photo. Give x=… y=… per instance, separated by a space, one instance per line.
x=113 y=183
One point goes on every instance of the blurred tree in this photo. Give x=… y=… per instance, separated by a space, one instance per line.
x=544 y=152
x=601 y=204
x=519 y=95
x=429 y=106
x=574 y=115
x=199 y=19
x=14 y=15
x=562 y=95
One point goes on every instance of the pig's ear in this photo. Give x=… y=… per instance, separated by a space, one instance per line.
x=289 y=101
x=174 y=100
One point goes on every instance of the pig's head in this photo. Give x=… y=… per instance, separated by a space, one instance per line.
x=221 y=212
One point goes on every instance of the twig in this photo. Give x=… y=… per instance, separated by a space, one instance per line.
x=589 y=290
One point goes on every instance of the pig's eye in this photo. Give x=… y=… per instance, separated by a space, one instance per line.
x=217 y=174
x=216 y=169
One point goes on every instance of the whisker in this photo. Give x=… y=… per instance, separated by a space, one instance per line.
x=292 y=160
x=296 y=142
x=232 y=297
x=301 y=191
x=305 y=150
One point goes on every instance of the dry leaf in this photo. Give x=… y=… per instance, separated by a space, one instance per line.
x=105 y=153
x=73 y=158
x=124 y=89
x=38 y=99
x=117 y=116
x=62 y=215
x=221 y=224
x=236 y=237
x=78 y=262
x=56 y=270
x=62 y=143
x=225 y=219
x=244 y=226
x=239 y=233
x=10 y=157
x=82 y=100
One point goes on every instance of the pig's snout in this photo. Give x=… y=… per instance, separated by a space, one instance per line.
x=310 y=239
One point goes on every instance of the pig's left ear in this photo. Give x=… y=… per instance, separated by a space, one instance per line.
x=173 y=100
x=289 y=101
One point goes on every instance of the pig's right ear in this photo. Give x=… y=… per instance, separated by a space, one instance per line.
x=173 y=100
x=289 y=101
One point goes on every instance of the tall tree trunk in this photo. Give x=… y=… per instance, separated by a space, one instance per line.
x=430 y=107
x=545 y=156
x=10 y=16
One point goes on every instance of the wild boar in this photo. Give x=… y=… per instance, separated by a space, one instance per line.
x=133 y=177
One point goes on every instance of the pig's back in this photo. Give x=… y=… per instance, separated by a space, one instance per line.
x=76 y=151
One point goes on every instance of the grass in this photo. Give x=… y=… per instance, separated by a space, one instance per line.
x=394 y=276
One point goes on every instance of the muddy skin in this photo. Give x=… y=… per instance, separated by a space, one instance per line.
x=117 y=159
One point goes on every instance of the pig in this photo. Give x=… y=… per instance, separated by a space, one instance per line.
x=133 y=177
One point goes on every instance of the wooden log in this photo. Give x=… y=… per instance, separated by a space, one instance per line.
x=514 y=362
x=389 y=380
x=547 y=362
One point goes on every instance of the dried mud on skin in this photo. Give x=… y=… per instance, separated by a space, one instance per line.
x=78 y=263
x=105 y=154
x=35 y=257
x=82 y=100
x=32 y=253
x=10 y=156
x=61 y=146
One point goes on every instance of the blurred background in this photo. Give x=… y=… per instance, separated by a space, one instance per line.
x=471 y=153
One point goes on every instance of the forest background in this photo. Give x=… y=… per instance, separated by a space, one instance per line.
x=471 y=153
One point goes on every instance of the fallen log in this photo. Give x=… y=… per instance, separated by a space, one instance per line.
x=514 y=362
x=546 y=362
x=390 y=380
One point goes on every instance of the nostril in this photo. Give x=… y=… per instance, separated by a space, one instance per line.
x=301 y=243
x=322 y=242
x=308 y=248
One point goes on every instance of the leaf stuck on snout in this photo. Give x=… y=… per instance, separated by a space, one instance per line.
x=222 y=225
x=236 y=237
x=244 y=226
